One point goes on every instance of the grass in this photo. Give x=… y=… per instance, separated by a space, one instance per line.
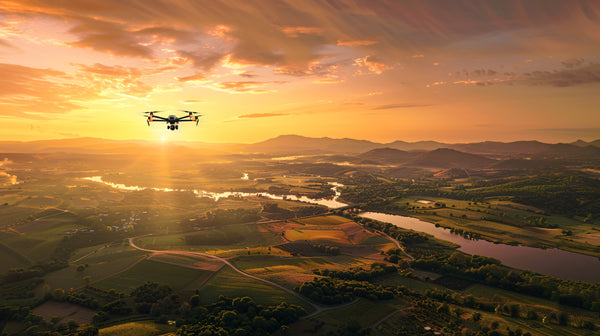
x=176 y=277
x=324 y=220
x=364 y=311
x=224 y=237
x=497 y=294
x=413 y=284
x=229 y=283
x=11 y=259
x=307 y=234
x=287 y=271
x=143 y=328
x=66 y=311
x=99 y=267
x=488 y=220
x=39 y=238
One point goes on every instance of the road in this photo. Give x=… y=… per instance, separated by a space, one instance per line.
x=318 y=309
x=397 y=243
x=226 y=262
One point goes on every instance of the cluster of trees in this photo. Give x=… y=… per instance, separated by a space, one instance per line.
x=554 y=193
x=81 y=299
x=333 y=250
x=239 y=316
x=359 y=274
x=229 y=216
x=309 y=210
x=274 y=211
x=489 y=271
x=335 y=291
x=35 y=324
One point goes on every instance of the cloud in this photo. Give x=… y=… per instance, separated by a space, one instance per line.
x=481 y=73
x=5 y=44
x=202 y=59
x=244 y=87
x=289 y=34
x=32 y=92
x=116 y=79
x=297 y=31
x=571 y=76
x=200 y=77
x=261 y=115
x=589 y=74
x=372 y=63
x=398 y=106
x=108 y=37
x=356 y=43
x=572 y=62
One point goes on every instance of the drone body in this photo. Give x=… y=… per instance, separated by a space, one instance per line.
x=172 y=121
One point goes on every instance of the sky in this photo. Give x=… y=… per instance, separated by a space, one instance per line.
x=454 y=71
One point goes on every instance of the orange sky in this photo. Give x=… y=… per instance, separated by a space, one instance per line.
x=380 y=70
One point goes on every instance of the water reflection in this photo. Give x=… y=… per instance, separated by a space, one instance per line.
x=554 y=262
x=328 y=202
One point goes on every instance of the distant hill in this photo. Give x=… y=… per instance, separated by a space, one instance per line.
x=301 y=144
x=450 y=158
x=416 y=146
x=580 y=143
x=102 y=146
x=503 y=148
x=284 y=145
x=388 y=155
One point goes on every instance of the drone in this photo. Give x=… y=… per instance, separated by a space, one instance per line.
x=172 y=121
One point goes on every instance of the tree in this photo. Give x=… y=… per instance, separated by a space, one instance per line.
x=563 y=318
x=58 y=294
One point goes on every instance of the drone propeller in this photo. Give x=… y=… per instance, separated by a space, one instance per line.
x=190 y=112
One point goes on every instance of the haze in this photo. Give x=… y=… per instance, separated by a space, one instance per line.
x=451 y=71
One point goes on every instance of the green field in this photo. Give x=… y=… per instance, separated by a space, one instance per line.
x=38 y=239
x=144 y=328
x=307 y=234
x=101 y=265
x=323 y=220
x=222 y=238
x=11 y=259
x=505 y=222
x=147 y=270
x=229 y=283
x=365 y=312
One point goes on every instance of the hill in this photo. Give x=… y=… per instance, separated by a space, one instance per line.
x=387 y=155
x=450 y=158
x=302 y=144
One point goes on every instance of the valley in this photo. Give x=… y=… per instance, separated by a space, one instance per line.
x=294 y=228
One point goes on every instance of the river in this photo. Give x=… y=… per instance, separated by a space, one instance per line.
x=554 y=262
x=328 y=202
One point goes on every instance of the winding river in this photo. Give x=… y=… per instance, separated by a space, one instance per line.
x=554 y=262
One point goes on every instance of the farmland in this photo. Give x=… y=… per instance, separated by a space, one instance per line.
x=79 y=249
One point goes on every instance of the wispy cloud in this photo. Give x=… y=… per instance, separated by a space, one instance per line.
x=244 y=86
x=398 y=106
x=261 y=115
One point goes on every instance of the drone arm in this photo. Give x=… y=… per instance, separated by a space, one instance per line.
x=159 y=118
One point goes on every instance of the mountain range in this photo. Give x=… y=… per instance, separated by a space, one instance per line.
x=417 y=153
